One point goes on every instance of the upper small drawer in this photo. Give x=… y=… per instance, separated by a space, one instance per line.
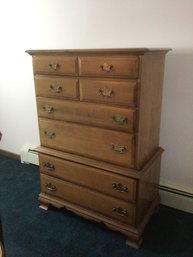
x=109 y=91
x=56 y=86
x=109 y=66
x=55 y=65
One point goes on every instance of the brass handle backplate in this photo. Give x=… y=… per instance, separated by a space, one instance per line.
x=120 y=187
x=50 y=186
x=55 y=88
x=49 y=134
x=105 y=92
x=120 y=119
x=54 y=66
x=49 y=166
x=106 y=67
x=48 y=109
x=121 y=212
x=118 y=148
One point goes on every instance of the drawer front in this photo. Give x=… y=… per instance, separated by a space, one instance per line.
x=97 y=143
x=55 y=86
x=98 y=202
x=96 y=179
x=118 y=92
x=86 y=113
x=109 y=66
x=55 y=65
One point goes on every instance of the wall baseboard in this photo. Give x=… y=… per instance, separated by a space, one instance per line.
x=9 y=154
x=176 y=198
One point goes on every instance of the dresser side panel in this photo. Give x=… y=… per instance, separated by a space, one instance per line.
x=148 y=191
x=150 y=99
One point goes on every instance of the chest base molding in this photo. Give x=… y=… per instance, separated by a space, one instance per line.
x=133 y=235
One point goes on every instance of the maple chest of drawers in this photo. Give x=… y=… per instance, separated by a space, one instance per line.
x=99 y=119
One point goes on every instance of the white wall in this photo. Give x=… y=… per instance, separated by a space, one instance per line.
x=42 y=24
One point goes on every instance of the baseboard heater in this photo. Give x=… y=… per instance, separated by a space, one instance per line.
x=176 y=198
x=28 y=156
x=175 y=191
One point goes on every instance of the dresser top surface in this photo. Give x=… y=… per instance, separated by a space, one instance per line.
x=120 y=51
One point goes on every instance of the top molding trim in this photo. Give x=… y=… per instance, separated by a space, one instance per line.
x=119 y=51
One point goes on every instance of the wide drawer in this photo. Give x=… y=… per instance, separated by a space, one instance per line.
x=97 y=143
x=108 y=91
x=127 y=66
x=54 y=64
x=55 y=86
x=87 y=113
x=92 y=200
x=96 y=179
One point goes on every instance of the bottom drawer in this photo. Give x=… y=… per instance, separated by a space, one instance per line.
x=89 y=199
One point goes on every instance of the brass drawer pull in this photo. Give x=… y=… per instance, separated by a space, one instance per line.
x=55 y=88
x=120 y=187
x=49 y=166
x=119 y=119
x=50 y=186
x=54 y=66
x=105 y=92
x=48 y=109
x=49 y=134
x=106 y=67
x=121 y=212
x=118 y=148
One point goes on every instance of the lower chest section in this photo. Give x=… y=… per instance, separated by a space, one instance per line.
x=97 y=190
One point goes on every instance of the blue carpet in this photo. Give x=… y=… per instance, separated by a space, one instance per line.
x=32 y=232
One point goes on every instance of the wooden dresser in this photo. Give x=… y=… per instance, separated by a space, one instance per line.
x=99 y=121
